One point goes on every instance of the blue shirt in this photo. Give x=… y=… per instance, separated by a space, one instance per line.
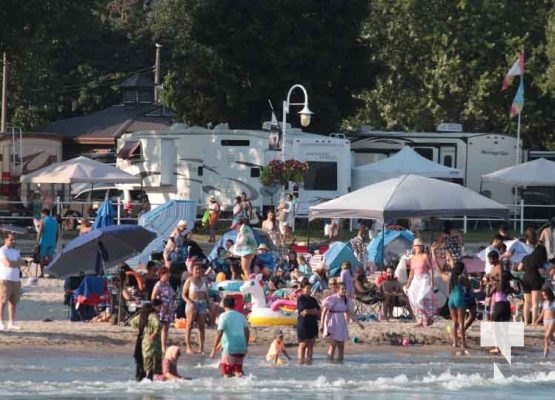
x=49 y=232
x=233 y=325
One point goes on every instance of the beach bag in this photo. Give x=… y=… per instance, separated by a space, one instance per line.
x=401 y=270
x=205 y=218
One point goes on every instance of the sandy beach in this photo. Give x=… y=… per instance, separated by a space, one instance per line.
x=45 y=324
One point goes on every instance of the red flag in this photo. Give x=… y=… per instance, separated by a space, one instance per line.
x=516 y=69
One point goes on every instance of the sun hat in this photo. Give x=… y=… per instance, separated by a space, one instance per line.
x=278 y=333
x=418 y=242
x=181 y=223
x=212 y=198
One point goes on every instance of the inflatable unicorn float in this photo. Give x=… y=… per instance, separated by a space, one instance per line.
x=280 y=313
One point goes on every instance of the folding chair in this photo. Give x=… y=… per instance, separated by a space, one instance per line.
x=89 y=295
x=26 y=268
x=369 y=303
x=480 y=297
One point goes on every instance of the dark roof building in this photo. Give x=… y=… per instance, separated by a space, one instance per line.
x=98 y=132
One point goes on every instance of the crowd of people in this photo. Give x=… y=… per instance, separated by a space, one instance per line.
x=180 y=287
x=326 y=304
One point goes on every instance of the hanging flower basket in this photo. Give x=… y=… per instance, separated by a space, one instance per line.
x=279 y=172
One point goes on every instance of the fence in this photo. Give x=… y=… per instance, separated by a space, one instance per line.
x=14 y=212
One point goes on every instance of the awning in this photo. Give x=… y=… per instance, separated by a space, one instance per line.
x=128 y=149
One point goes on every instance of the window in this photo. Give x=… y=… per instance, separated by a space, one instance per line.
x=321 y=175
x=130 y=149
x=255 y=172
x=425 y=152
x=236 y=143
x=200 y=171
x=448 y=161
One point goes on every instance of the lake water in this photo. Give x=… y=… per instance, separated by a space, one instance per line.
x=32 y=374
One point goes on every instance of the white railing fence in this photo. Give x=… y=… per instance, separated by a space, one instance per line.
x=14 y=212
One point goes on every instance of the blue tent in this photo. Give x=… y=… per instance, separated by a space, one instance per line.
x=396 y=243
x=105 y=215
x=336 y=255
x=232 y=234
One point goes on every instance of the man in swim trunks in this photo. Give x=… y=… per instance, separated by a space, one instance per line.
x=233 y=334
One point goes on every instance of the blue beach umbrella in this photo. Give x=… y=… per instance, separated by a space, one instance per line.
x=100 y=249
x=105 y=215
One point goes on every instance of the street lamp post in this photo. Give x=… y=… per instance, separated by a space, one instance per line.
x=304 y=114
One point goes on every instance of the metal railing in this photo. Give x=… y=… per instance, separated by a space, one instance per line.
x=15 y=212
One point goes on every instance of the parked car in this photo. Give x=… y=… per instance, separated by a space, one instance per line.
x=86 y=202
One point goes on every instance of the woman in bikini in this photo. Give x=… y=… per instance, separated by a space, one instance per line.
x=458 y=285
x=195 y=295
x=419 y=285
x=548 y=316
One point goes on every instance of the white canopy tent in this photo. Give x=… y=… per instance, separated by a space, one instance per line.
x=405 y=161
x=79 y=170
x=409 y=196
x=540 y=172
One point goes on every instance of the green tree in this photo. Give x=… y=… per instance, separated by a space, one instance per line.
x=443 y=61
x=68 y=58
x=229 y=56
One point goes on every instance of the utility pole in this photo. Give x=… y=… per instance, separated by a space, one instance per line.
x=4 y=92
x=157 y=75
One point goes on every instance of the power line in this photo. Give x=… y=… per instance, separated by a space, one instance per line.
x=99 y=82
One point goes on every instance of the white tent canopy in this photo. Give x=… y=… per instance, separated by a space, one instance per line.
x=79 y=169
x=540 y=172
x=409 y=196
x=405 y=161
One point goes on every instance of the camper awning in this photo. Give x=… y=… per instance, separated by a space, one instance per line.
x=128 y=149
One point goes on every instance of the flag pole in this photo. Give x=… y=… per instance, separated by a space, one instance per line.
x=518 y=146
x=515 y=197
x=518 y=151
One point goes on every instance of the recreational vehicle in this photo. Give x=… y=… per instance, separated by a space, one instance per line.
x=474 y=153
x=22 y=153
x=194 y=163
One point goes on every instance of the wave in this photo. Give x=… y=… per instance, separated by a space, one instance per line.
x=445 y=381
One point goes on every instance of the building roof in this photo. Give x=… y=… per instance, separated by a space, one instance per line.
x=137 y=81
x=105 y=126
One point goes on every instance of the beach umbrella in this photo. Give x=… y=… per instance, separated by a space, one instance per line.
x=100 y=249
x=105 y=215
x=409 y=196
x=162 y=220
x=337 y=254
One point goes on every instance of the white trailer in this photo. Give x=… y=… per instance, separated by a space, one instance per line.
x=474 y=153
x=193 y=163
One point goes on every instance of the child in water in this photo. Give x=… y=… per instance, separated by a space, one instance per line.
x=276 y=348
x=169 y=365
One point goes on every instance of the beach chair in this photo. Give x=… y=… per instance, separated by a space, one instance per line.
x=29 y=263
x=370 y=302
x=479 y=294
x=89 y=296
